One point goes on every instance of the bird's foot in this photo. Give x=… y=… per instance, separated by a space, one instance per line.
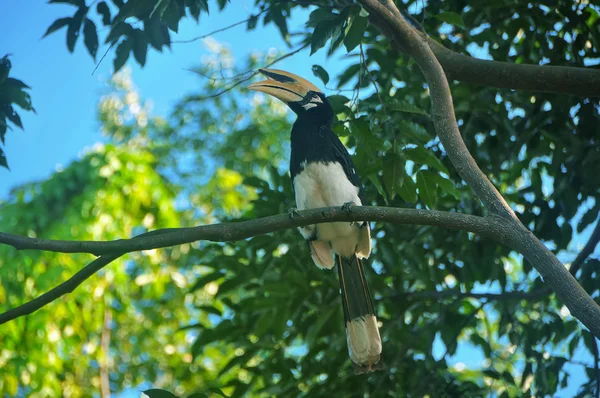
x=348 y=206
x=293 y=212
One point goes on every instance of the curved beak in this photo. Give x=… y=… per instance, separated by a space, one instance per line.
x=283 y=85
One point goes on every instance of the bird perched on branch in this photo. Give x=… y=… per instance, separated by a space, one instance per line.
x=323 y=175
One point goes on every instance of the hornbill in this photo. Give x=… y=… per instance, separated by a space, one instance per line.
x=323 y=175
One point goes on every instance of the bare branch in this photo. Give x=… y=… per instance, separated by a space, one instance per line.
x=457 y=295
x=66 y=287
x=389 y=19
x=542 y=78
x=204 y=36
x=490 y=227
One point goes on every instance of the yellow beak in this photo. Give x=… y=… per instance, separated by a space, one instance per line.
x=283 y=85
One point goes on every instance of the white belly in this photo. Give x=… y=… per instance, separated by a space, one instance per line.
x=324 y=185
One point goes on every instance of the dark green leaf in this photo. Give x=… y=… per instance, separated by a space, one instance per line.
x=157 y=33
x=122 y=54
x=210 y=310
x=140 y=46
x=403 y=106
x=252 y=21
x=222 y=4
x=13 y=116
x=5 y=66
x=90 y=37
x=452 y=18
x=56 y=25
x=204 y=280
x=355 y=33
x=321 y=35
x=159 y=8
x=12 y=82
x=427 y=188
x=171 y=16
x=407 y=189
x=321 y=73
x=422 y=156
x=102 y=9
x=75 y=27
x=3 y=162
x=198 y=395
x=157 y=393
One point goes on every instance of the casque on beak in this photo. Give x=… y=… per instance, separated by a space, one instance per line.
x=284 y=85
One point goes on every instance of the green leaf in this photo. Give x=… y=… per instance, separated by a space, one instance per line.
x=198 y=395
x=122 y=54
x=452 y=18
x=204 y=280
x=355 y=33
x=5 y=66
x=422 y=156
x=159 y=8
x=140 y=46
x=75 y=27
x=321 y=35
x=3 y=162
x=338 y=103
x=427 y=188
x=13 y=116
x=157 y=33
x=374 y=178
x=406 y=107
x=102 y=9
x=321 y=73
x=447 y=186
x=210 y=309
x=217 y=391
x=90 y=37
x=157 y=393
x=320 y=15
x=222 y=4
x=56 y=25
x=407 y=189
x=252 y=21
x=393 y=174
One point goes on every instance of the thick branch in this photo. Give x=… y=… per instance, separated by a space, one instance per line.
x=542 y=78
x=490 y=227
x=581 y=305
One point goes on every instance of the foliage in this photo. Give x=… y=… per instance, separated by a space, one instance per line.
x=257 y=317
x=12 y=92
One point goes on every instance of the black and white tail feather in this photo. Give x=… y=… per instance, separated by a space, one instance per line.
x=362 y=331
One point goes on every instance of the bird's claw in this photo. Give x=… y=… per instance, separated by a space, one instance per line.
x=348 y=206
x=293 y=212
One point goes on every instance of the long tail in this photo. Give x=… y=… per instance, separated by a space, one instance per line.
x=362 y=332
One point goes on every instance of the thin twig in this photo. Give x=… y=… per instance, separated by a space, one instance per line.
x=234 y=85
x=204 y=36
x=101 y=59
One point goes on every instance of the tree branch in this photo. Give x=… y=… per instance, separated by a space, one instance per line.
x=393 y=25
x=541 y=78
x=587 y=250
x=457 y=294
x=491 y=227
x=250 y=76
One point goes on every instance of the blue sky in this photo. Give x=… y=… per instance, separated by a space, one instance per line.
x=65 y=93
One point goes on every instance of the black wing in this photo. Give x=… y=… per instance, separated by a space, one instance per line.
x=342 y=156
